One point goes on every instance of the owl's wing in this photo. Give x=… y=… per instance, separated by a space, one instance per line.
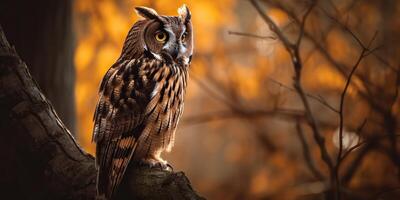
x=119 y=118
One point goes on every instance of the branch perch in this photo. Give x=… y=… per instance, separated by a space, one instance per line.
x=40 y=158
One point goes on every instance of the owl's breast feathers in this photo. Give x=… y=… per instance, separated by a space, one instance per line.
x=141 y=101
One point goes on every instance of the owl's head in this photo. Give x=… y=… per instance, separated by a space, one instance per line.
x=168 y=38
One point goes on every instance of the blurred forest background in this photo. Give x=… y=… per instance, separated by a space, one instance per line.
x=273 y=85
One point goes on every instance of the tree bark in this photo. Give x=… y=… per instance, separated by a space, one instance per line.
x=42 y=33
x=40 y=158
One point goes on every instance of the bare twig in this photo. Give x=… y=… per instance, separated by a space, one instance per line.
x=306 y=153
x=363 y=90
x=273 y=27
x=340 y=67
x=293 y=50
x=251 y=35
x=366 y=141
x=318 y=98
x=365 y=52
x=366 y=95
x=365 y=147
x=303 y=23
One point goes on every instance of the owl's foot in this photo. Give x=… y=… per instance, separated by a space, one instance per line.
x=155 y=164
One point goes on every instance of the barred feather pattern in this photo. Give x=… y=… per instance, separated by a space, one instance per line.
x=141 y=101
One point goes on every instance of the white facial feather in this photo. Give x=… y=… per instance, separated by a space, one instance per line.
x=171 y=40
x=157 y=56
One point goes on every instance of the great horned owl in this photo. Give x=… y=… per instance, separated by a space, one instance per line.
x=142 y=95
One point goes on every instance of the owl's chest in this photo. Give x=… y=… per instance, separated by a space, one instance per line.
x=165 y=106
x=168 y=91
x=166 y=98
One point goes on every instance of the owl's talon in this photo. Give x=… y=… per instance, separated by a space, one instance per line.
x=154 y=164
x=169 y=167
x=159 y=165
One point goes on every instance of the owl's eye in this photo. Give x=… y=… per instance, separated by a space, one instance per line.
x=184 y=36
x=161 y=37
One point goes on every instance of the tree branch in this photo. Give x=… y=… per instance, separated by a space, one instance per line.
x=251 y=35
x=306 y=153
x=297 y=64
x=42 y=160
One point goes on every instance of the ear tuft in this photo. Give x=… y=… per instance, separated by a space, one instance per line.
x=146 y=12
x=184 y=13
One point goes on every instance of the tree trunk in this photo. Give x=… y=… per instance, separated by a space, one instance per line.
x=42 y=33
x=40 y=158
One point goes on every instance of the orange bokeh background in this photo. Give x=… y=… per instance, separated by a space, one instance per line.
x=224 y=156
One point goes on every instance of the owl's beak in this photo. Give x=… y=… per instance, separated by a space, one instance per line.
x=172 y=53
x=175 y=52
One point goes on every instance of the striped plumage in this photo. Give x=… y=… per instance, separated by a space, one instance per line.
x=141 y=98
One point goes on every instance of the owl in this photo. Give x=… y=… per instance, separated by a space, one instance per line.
x=141 y=96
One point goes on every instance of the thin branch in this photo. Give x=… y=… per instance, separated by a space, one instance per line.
x=296 y=60
x=396 y=88
x=366 y=146
x=252 y=35
x=342 y=98
x=306 y=153
x=273 y=27
x=318 y=98
x=365 y=142
x=346 y=28
x=365 y=52
x=303 y=23
x=340 y=67
x=360 y=143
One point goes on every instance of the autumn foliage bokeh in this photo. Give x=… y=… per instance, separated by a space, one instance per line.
x=227 y=144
